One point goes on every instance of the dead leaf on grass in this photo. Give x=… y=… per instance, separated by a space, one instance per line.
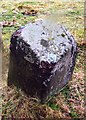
x=31 y=12
x=27 y=10
x=8 y=23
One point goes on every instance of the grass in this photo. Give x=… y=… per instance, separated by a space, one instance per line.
x=53 y=106
x=66 y=92
x=69 y=103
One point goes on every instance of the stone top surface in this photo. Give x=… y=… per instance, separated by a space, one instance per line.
x=48 y=40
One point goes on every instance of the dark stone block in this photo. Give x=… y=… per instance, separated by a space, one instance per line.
x=42 y=58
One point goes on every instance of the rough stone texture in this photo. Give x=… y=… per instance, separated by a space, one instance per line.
x=42 y=58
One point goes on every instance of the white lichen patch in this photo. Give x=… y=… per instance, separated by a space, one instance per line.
x=48 y=40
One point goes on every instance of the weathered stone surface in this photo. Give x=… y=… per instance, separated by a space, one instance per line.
x=42 y=58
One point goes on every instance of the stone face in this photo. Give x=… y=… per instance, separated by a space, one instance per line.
x=42 y=58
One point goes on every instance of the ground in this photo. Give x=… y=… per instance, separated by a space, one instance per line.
x=69 y=103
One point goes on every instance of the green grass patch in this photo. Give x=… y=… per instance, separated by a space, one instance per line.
x=53 y=106
x=73 y=114
x=66 y=92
